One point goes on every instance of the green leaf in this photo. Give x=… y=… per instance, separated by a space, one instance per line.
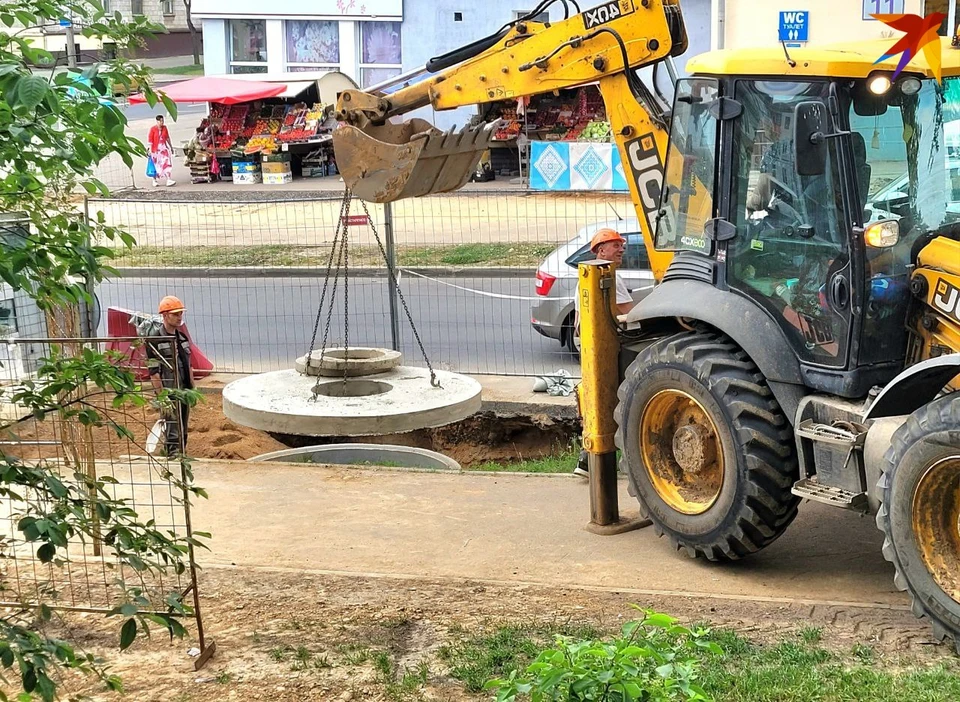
x=31 y=91
x=128 y=633
x=170 y=105
x=129 y=609
x=46 y=553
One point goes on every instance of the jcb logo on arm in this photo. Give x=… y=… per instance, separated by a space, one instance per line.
x=946 y=298
x=607 y=12
x=647 y=170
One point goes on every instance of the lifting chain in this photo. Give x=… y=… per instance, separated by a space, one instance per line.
x=340 y=251
x=393 y=281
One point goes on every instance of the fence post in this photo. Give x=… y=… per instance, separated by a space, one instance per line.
x=392 y=265
x=87 y=307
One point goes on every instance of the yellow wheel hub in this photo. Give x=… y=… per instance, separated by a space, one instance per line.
x=936 y=523
x=681 y=451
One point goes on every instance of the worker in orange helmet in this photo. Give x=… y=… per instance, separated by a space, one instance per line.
x=608 y=245
x=168 y=361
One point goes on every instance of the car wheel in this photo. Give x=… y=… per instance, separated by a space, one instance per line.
x=569 y=336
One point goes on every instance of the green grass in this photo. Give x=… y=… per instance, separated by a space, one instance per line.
x=794 y=669
x=188 y=70
x=516 y=255
x=563 y=462
x=474 y=660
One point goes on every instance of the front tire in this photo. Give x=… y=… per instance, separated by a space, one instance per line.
x=920 y=512
x=708 y=451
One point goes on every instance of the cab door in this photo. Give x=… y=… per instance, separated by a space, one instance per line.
x=791 y=251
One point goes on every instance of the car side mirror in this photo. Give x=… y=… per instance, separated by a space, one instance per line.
x=810 y=138
x=882 y=234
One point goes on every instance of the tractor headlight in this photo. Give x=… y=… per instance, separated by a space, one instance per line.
x=882 y=234
x=879 y=84
x=910 y=86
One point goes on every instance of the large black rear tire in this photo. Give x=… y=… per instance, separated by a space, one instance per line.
x=720 y=458
x=920 y=493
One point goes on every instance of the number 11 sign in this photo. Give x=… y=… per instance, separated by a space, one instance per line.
x=881 y=7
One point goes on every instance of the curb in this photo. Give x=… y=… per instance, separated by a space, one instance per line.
x=319 y=271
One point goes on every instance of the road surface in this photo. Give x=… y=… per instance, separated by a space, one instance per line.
x=259 y=324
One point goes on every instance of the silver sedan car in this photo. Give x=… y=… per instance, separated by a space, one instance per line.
x=553 y=313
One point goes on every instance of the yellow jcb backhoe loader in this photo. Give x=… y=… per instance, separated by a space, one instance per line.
x=802 y=339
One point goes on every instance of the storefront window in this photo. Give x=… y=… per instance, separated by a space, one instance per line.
x=248 y=46
x=312 y=45
x=380 y=54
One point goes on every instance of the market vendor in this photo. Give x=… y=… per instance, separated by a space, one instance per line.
x=200 y=156
x=202 y=142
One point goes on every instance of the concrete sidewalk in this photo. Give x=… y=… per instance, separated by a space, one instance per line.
x=510 y=528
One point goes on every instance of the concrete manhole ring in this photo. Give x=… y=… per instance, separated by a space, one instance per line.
x=355 y=361
x=398 y=401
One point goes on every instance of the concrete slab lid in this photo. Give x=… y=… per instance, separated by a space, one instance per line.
x=355 y=361
x=397 y=401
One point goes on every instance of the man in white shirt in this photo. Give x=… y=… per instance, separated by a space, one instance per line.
x=608 y=245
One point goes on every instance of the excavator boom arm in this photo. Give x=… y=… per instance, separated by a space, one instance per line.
x=382 y=162
x=533 y=58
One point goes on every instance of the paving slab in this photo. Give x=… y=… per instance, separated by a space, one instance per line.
x=510 y=528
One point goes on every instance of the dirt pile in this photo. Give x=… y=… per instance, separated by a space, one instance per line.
x=211 y=434
x=214 y=436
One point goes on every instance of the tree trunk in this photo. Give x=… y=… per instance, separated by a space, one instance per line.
x=194 y=37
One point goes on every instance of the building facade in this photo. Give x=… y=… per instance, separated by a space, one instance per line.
x=171 y=14
x=368 y=40
x=751 y=23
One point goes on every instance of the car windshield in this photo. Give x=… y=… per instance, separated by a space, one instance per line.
x=908 y=157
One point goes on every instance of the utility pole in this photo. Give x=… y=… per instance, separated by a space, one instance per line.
x=71 y=56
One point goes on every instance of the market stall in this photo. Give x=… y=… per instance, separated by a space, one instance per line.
x=257 y=131
x=560 y=132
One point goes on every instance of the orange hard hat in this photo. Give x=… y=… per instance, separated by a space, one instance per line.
x=603 y=236
x=171 y=304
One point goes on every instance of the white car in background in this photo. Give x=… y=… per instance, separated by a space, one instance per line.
x=553 y=313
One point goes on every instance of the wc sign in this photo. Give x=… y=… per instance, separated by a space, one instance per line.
x=794 y=25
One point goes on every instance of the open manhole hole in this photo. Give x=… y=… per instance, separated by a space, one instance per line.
x=353 y=388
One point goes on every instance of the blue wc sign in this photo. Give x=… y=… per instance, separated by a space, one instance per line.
x=794 y=25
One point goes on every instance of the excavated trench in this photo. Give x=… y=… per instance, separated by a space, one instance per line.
x=484 y=437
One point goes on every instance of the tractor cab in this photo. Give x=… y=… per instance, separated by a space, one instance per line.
x=806 y=184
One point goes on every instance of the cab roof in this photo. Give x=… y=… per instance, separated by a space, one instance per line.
x=848 y=60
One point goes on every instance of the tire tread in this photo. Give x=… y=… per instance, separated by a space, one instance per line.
x=758 y=424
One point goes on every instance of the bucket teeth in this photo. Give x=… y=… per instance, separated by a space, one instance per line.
x=393 y=162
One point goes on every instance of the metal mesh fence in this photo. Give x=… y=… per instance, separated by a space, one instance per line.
x=251 y=274
x=115 y=174
x=96 y=459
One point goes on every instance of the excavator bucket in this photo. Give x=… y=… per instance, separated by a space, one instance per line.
x=396 y=161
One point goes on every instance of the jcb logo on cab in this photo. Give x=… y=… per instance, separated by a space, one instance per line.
x=946 y=298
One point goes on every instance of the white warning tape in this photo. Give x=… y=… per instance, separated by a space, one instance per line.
x=484 y=293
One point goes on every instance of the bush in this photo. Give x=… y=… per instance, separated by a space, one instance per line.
x=653 y=660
